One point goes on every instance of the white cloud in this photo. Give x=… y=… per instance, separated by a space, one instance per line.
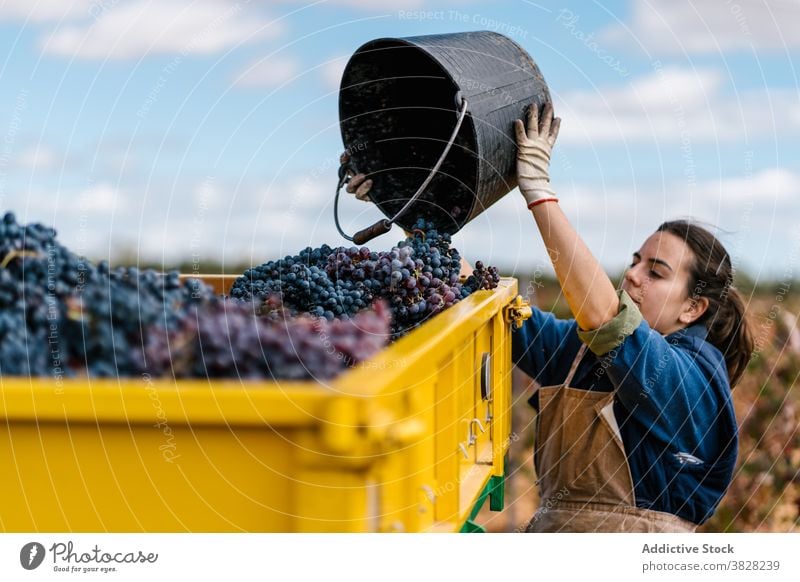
x=255 y=224
x=39 y=158
x=206 y=195
x=772 y=188
x=373 y=5
x=709 y=26
x=141 y=27
x=381 y=4
x=755 y=213
x=676 y=104
x=46 y=10
x=794 y=114
x=101 y=198
x=331 y=72
x=777 y=186
x=269 y=73
x=758 y=215
x=83 y=217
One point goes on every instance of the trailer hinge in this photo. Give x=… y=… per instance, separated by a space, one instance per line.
x=517 y=311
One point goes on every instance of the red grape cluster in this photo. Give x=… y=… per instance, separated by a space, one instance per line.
x=417 y=278
x=482 y=278
x=225 y=339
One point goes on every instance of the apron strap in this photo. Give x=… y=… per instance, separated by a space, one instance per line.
x=572 y=370
x=575 y=362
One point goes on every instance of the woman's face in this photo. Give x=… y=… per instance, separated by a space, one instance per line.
x=658 y=280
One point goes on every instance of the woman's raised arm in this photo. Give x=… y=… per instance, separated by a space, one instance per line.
x=588 y=290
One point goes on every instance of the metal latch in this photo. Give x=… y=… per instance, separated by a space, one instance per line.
x=472 y=437
x=517 y=311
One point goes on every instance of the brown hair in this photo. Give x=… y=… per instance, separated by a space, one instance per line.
x=711 y=276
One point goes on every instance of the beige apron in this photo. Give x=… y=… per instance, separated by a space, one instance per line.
x=585 y=482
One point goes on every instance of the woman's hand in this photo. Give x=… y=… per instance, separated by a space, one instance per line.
x=534 y=147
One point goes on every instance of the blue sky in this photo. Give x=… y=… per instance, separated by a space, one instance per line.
x=209 y=129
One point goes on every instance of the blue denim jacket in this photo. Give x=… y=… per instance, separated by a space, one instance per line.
x=673 y=405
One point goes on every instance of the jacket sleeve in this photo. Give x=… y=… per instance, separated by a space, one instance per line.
x=676 y=387
x=612 y=333
x=537 y=346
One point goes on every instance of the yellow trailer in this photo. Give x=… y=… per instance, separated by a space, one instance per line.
x=412 y=440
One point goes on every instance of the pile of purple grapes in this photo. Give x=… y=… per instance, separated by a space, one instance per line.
x=417 y=278
x=312 y=315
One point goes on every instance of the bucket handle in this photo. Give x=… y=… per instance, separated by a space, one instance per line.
x=383 y=226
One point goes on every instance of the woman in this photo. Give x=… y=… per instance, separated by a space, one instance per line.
x=635 y=428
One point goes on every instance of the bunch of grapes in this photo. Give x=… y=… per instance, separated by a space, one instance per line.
x=106 y=324
x=61 y=315
x=304 y=285
x=303 y=316
x=36 y=275
x=418 y=277
x=224 y=339
x=482 y=278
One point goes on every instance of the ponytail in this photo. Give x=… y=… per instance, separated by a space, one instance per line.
x=731 y=333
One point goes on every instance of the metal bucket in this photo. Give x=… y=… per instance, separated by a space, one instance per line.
x=399 y=102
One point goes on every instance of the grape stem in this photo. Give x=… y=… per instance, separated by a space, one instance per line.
x=15 y=254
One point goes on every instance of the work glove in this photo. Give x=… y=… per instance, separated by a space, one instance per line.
x=533 y=154
x=357 y=183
